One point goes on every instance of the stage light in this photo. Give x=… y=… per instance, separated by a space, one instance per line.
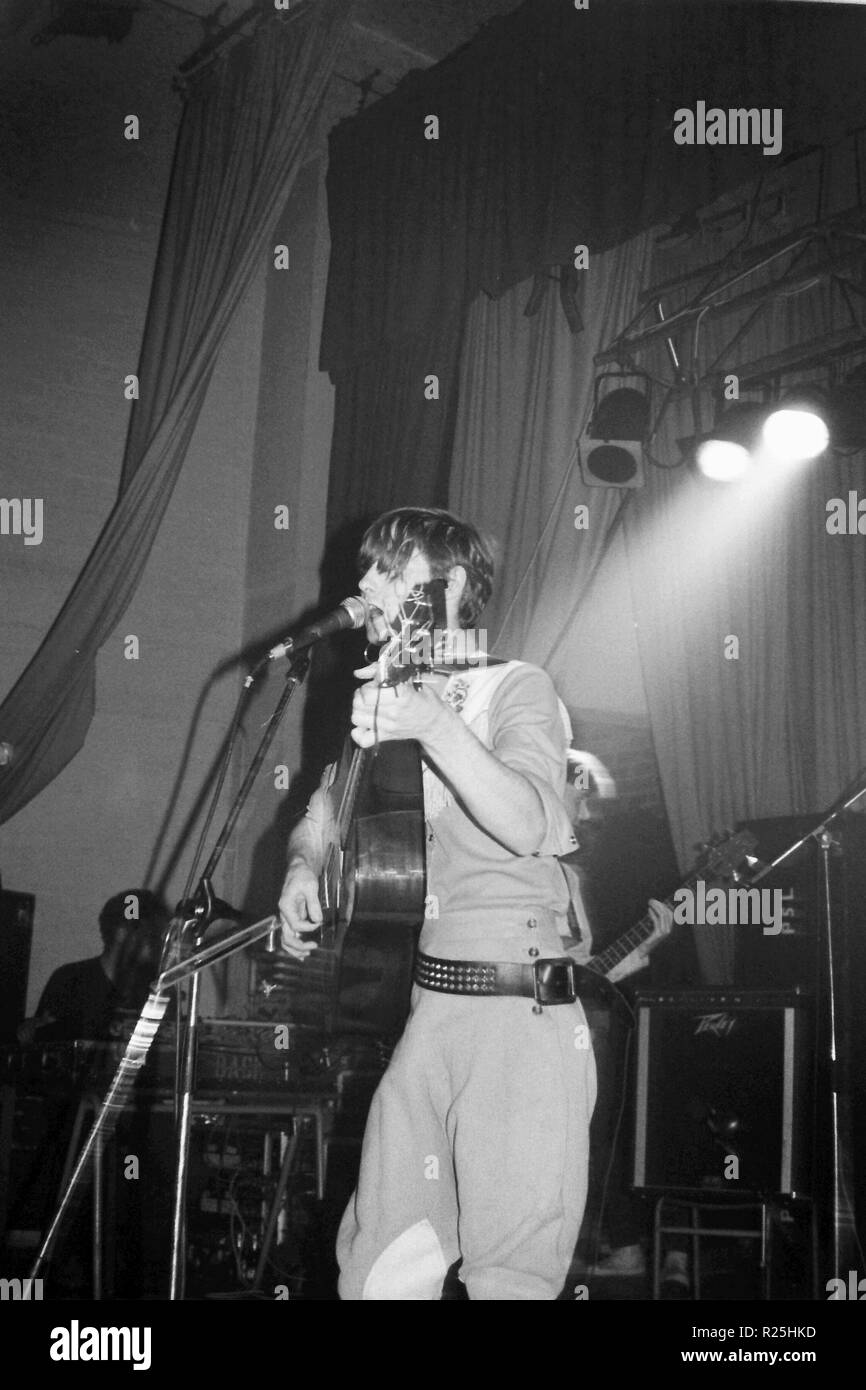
x=622 y=414
x=725 y=452
x=611 y=448
x=795 y=435
x=722 y=460
x=796 y=429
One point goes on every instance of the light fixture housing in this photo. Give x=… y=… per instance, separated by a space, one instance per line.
x=622 y=414
x=610 y=450
x=724 y=453
x=796 y=428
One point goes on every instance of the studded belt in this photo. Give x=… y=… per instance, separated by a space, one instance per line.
x=550 y=981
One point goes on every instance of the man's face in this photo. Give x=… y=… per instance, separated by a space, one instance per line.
x=138 y=946
x=384 y=594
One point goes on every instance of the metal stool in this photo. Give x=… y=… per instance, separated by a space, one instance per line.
x=696 y=1232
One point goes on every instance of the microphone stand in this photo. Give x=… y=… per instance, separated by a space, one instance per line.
x=844 y=1236
x=193 y=918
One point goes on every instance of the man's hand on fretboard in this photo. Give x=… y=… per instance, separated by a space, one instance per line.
x=638 y=959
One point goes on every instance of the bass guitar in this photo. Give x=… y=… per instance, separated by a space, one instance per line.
x=720 y=860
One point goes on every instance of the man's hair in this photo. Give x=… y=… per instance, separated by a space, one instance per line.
x=444 y=541
x=149 y=910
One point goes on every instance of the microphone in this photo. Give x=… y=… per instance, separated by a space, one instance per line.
x=352 y=612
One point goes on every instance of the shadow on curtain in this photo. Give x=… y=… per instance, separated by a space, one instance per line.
x=243 y=135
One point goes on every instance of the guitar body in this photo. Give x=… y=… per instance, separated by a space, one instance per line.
x=384 y=864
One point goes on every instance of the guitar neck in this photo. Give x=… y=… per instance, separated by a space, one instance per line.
x=350 y=794
x=611 y=956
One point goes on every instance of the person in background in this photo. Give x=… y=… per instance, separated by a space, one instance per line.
x=87 y=998
x=616 y=1218
x=98 y=1000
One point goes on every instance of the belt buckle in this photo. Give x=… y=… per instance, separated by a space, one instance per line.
x=555 y=981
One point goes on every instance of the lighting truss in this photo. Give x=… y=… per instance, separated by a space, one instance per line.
x=834 y=250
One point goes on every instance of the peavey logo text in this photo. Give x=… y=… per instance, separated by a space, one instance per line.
x=718 y=1024
x=76 y=1343
x=736 y=126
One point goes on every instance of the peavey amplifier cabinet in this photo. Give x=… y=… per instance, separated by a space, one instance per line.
x=723 y=1092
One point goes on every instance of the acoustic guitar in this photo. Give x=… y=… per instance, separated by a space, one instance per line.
x=375 y=869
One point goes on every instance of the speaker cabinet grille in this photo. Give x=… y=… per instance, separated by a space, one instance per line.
x=722 y=1092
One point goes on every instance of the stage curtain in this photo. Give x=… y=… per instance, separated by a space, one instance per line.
x=526 y=393
x=751 y=643
x=748 y=610
x=555 y=129
x=753 y=651
x=243 y=135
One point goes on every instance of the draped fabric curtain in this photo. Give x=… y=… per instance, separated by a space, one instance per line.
x=773 y=723
x=752 y=647
x=498 y=161
x=392 y=437
x=752 y=642
x=526 y=393
x=753 y=650
x=243 y=136
x=749 y=613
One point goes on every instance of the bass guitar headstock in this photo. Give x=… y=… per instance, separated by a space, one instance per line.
x=724 y=856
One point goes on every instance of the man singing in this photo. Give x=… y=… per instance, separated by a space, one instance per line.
x=476 y=1147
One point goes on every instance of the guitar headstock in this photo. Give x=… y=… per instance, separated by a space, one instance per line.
x=410 y=649
x=723 y=855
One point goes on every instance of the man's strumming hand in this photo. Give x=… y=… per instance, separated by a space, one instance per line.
x=299 y=909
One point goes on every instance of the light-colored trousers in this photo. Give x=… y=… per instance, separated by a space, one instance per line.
x=476 y=1147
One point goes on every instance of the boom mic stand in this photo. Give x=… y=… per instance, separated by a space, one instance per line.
x=189 y=924
x=192 y=922
x=844 y=1237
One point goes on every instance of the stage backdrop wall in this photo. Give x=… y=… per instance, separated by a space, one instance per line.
x=70 y=270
